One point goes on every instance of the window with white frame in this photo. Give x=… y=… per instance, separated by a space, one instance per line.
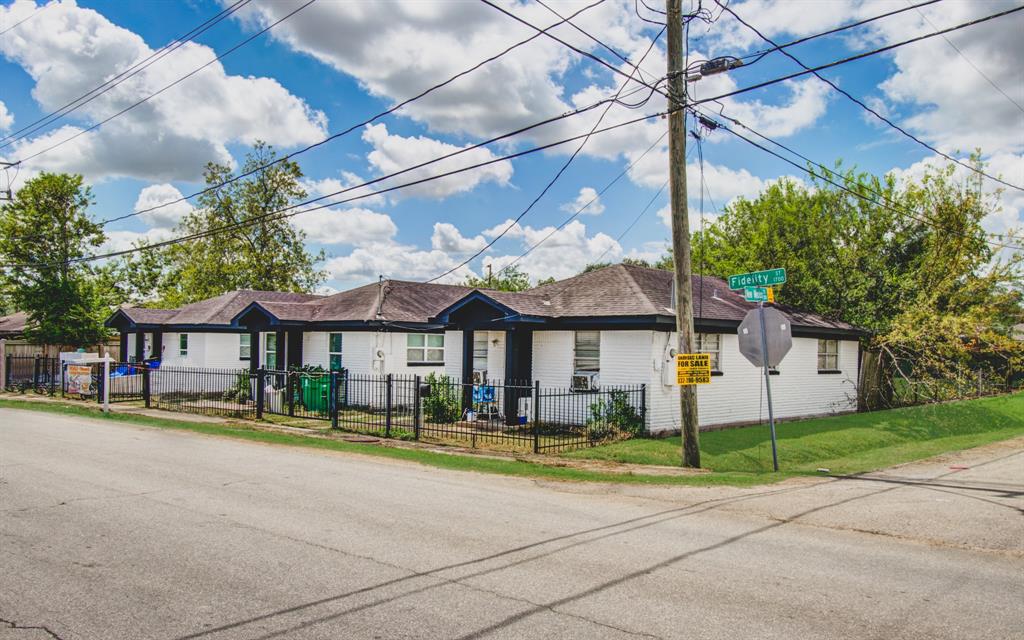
x=183 y=345
x=244 y=346
x=828 y=355
x=424 y=348
x=480 y=339
x=711 y=343
x=334 y=342
x=270 y=351
x=586 y=361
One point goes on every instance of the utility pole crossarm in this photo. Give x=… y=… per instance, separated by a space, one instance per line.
x=680 y=224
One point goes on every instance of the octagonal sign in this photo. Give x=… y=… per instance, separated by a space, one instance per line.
x=777 y=331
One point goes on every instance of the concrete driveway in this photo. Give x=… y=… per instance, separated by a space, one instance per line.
x=114 y=531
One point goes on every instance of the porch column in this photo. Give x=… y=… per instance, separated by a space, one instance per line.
x=254 y=351
x=518 y=370
x=157 y=348
x=140 y=343
x=467 y=368
x=294 y=348
x=122 y=348
x=280 y=350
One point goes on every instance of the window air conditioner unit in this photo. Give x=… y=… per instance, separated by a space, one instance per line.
x=479 y=377
x=585 y=382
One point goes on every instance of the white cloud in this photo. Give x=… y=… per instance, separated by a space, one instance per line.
x=355 y=226
x=587 y=203
x=69 y=50
x=393 y=260
x=392 y=152
x=563 y=254
x=6 y=117
x=158 y=194
x=723 y=183
x=123 y=239
x=348 y=180
x=449 y=239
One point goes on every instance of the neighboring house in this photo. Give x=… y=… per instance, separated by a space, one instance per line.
x=13 y=326
x=201 y=334
x=613 y=326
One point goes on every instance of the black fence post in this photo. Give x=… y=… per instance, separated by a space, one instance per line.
x=387 y=406
x=416 y=409
x=35 y=374
x=100 y=381
x=146 y=389
x=290 y=377
x=536 y=416
x=332 y=402
x=643 y=409
x=53 y=376
x=261 y=377
x=7 y=371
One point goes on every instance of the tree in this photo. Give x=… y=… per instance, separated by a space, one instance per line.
x=511 y=279
x=909 y=262
x=255 y=250
x=42 y=231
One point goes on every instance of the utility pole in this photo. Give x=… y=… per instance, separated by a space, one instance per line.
x=680 y=223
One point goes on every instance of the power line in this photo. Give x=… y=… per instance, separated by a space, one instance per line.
x=17 y=24
x=825 y=178
x=123 y=76
x=873 y=112
x=353 y=127
x=561 y=170
x=968 y=61
x=172 y=84
x=760 y=54
x=584 y=207
x=287 y=212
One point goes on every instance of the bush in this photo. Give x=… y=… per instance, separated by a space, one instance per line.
x=614 y=418
x=239 y=392
x=444 y=404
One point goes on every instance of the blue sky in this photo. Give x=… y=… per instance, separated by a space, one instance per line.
x=334 y=64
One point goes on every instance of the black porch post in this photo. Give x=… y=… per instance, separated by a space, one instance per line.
x=518 y=370
x=279 y=351
x=254 y=351
x=467 y=369
x=122 y=347
x=294 y=348
x=156 y=351
x=140 y=345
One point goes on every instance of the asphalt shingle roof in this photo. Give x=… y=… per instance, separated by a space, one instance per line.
x=218 y=310
x=14 y=324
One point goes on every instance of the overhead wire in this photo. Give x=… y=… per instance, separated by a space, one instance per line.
x=825 y=177
x=560 y=171
x=289 y=211
x=172 y=84
x=354 y=127
x=968 y=60
x=120 y=77
x=37 y=11
x=874 y=112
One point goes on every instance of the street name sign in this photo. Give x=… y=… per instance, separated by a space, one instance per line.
x=693 y=368
x=757 y=279
x=755 y=294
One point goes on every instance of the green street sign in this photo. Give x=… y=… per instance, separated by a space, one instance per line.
x=755 y=294
x=757 y=279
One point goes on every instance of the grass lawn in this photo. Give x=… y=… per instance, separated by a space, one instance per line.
x=843 y=444
x=739 y=457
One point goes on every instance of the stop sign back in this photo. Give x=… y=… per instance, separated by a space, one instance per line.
x=777 y=333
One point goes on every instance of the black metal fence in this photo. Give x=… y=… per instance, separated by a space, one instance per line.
x=517 y=415
x=37 y=373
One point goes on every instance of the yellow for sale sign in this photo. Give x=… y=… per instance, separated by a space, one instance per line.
x=693 y=368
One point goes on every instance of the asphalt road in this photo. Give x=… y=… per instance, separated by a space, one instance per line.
x=114 y=531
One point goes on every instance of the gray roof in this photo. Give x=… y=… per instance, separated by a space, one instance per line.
x=218 y=310
x=14 y=324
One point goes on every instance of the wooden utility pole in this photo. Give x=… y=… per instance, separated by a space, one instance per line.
x=681 y=224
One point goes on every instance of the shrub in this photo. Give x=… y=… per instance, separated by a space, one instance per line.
x=614 y=418
x=444 y=404
x=240 y=391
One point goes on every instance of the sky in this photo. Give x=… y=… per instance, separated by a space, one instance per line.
x=331 y=65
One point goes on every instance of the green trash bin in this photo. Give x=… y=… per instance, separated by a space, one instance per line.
x=315 y=392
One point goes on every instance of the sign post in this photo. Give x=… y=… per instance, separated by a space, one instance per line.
x=765 y=336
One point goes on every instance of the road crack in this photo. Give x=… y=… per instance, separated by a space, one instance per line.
x=11 y=624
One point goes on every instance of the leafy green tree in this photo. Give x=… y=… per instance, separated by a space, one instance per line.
x=42 y=231
x=254 y=250
x=511 y=279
